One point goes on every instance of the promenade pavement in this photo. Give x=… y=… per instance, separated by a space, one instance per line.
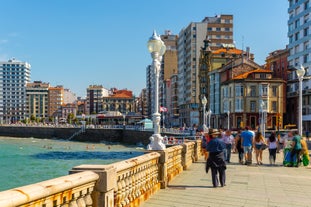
x=254 y=186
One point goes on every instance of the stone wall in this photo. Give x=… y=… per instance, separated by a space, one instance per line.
x=90 y=135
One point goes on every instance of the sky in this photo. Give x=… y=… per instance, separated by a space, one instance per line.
x=77 y=43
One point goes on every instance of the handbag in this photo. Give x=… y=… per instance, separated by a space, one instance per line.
x=264 y=146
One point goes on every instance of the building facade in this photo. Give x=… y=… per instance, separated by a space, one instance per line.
x=299 y=54
x=248 y=96
x=219 y=30
x=121 y=101
x=95 y=94
x=69 y=96
x=14 y=76
x=56 y=100
x=278 y=64
x=37 y=102
x=169 y=66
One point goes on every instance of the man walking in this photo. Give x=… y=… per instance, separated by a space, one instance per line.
x=247 y=137
x=216 y=161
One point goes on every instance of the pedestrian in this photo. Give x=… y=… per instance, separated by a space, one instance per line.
x=216 y=161
x=239 y=146
x=247 y=137
x=229 y=141
x=296 y=148
x=259 y=142
x=272 y=145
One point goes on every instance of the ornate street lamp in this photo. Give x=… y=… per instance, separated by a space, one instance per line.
x=157 y=49
x=228 y=113
x=263 y=121
x=204 y=102
x=300 y=73
x=209 y=113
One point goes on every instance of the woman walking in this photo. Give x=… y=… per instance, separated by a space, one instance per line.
x=259 y=142
x=272 y=144
x=239 y=147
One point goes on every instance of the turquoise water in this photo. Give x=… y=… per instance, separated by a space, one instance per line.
x=26 y=161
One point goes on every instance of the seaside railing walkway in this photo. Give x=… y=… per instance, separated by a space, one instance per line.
x=254 y=186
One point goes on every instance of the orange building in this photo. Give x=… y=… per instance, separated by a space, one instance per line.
x=56 y=95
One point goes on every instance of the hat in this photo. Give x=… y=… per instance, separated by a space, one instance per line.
x=215 y=132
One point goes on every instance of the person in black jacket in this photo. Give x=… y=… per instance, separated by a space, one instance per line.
x=216 y=161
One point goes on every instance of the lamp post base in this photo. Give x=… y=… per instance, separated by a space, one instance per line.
x=156 y=142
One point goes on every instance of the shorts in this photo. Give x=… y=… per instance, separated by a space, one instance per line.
x=247 y=149
x=258 y=146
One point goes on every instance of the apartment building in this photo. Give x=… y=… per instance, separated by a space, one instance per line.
x=246 y=90
x=37 y=94
x=299 y=54
x=14 y=75
x=278 y=64
x=95 y=94
x=219 y=30
x=56 y=100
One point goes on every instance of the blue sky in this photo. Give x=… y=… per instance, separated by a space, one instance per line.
x=76 y=43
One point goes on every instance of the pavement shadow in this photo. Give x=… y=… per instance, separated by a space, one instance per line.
x=184 y=187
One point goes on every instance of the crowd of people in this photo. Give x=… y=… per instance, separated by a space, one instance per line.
x=217 y=146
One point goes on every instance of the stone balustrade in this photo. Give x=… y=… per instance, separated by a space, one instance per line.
x=70 y=190
x=120 y=184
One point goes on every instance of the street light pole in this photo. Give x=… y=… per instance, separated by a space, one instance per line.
x=228 y=113
x=157 y=49
x=300 y=73
x=209 y=118
x=204 y=102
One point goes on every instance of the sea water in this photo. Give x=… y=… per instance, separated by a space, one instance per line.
x=26 y=161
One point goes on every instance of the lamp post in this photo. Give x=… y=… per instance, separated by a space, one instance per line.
x=204 y=102
x=123 y=119
x=209 y=118
x=228 y=113
x=300 y=73
x=262 y=106
x=157 y=49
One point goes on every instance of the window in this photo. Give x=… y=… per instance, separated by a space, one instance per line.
x=306 y=45
x=227 y=29
x=253 y=91
x=305 y=58
x=226 y=92
x=291 y=27
x=238 y=104
x=274 y=104
x=227 y=21
x=291 y=39
x=209 y=29
x=239 y=90
x=297 y=23
x=218 y=29
x=306 y=5
x=306 y=18
x=305 y=31
x=253 y=106
x=296 y=48
x=296 y=36
x=264 y=90
x=274 y=90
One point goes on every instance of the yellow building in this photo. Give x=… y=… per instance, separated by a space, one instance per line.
x=244 y=97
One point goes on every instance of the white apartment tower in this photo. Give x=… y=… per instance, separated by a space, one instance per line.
x=14 y=75
x=299 y=54
x=219 y=30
